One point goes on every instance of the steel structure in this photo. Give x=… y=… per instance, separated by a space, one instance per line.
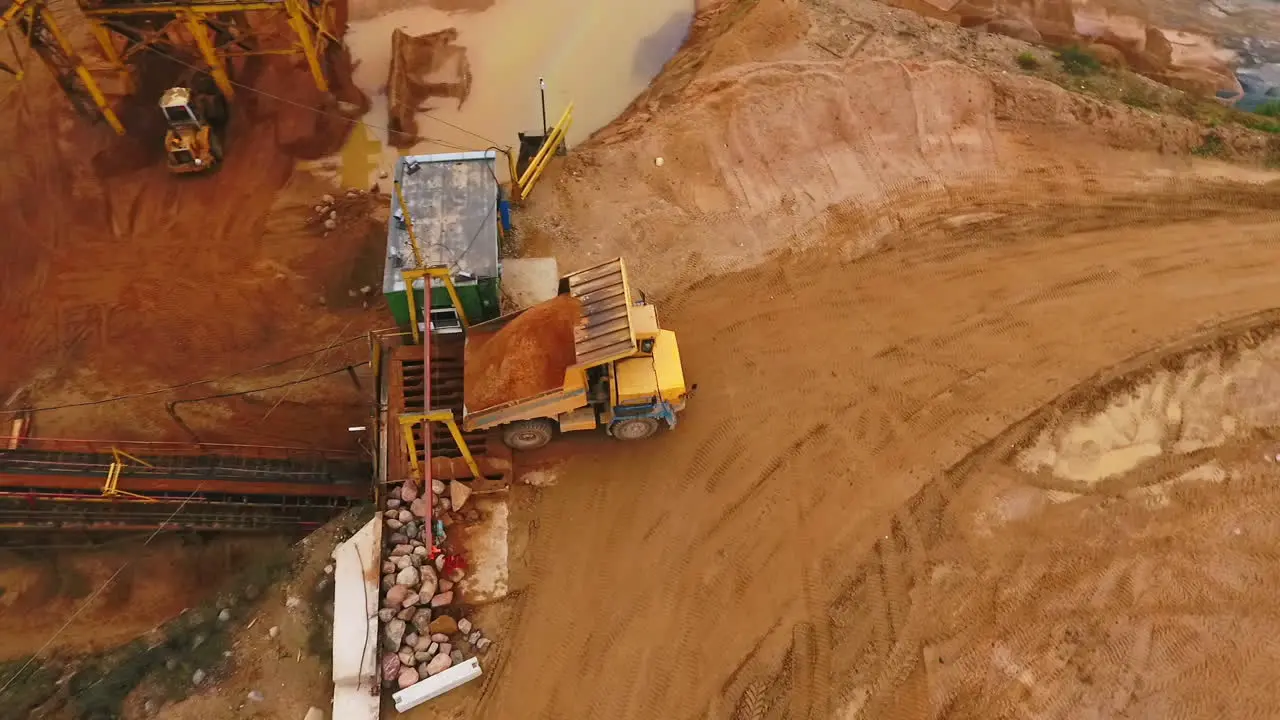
x=212 y=37
x=99 y=486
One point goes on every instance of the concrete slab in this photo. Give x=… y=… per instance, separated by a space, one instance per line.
x=529 y=281
x=484 y=545
x=355 y=624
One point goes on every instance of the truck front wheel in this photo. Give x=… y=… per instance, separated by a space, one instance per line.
x=528 y=434
x=634 y=428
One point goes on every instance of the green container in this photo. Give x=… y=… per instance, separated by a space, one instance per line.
x=452 y=199
x=480 y=300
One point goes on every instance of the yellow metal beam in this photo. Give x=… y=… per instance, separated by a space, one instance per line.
x=442 y=273
x=111 y=488
x=543 y=158
x=408 y=226
x=112 y=54
x=199 y=31
x=298 y=18
x=99 y=99
x=408 y=420
x=180 y=8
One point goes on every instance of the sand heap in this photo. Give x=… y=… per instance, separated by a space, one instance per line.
x=527 y=356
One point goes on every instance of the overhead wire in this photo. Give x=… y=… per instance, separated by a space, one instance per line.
x=94 y=595
x=180 y=386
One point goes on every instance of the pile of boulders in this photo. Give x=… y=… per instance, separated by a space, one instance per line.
x=327 y=215
x=423 y=629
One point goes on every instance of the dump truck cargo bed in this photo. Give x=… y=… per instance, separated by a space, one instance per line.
x=528 y=364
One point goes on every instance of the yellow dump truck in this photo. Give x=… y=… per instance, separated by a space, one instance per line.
x=614 y=367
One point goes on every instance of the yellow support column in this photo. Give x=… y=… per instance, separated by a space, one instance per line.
x=217 y=68
x=82 y=72
x=298 y=21
x=406 y=430
x=408 y=420
x=409 y=277
x=112 y=55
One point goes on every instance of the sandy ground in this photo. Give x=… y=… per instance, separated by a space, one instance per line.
x=884 y=308
x=943 y=252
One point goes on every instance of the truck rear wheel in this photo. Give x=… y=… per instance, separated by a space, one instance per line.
x=634 y=428
x=528 y=434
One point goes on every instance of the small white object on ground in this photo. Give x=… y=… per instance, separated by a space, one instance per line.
x=437 y=685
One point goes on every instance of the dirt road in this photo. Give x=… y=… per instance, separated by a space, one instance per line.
x=942 y=252
x=764 y=555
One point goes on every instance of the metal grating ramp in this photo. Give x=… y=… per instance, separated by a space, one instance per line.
x=605 y=329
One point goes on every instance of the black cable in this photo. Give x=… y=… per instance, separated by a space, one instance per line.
x=174 y=403
x=180 y=386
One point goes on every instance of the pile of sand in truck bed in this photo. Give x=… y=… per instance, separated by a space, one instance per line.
x=526 y=357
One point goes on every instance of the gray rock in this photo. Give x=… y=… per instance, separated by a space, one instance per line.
x=224 y=616
x=197 y=641
x=456 y=656
x=440 y=637
x=401 y=562
x=314 y=713
x=464 y=626
x=433 y=648
x=424 y=643
x=445 y=585
x=388 y=581
x=483 y=644
x=404 y=549
x=327 y=199
x=445 y=648
x=429 y=582
x=416 y=543
x=395 y=493
x=445 y=503
x=421 y=551
x=411 y=639
x=411 y=530
x=386 y=615
x=273 y=632
x=408 y=576
x=398 y=538
x=415 y=560
x=420 y=508
x=409 y=491
x=474 y=637
x=422 y=621
x=456 y=574
x=396 y=595
x=408 y=677
x=149 y=707
x=394 y=524
x=197 y=677
x=393 y=503
x=392 y=634
x=391 y=514
x=422 y=670
x=411 y=599
x=328 y=569
x=251 y=592
x=437 y=487
x=442 y=599
x=388 y=567
x=421 y=656
x=405 y=516
x=406 y=657
x=406 y=614
x=171 y=664
x=330 y=224
x=439 y=664
x=255 y=696
x=440 y=562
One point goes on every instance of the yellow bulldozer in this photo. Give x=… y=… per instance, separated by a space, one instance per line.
x=196 y=119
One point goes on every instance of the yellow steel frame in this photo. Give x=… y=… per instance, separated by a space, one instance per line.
x=112 y=487
x=408 y=420
x=524 y=184
x=36 y=9
x=441 y=273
